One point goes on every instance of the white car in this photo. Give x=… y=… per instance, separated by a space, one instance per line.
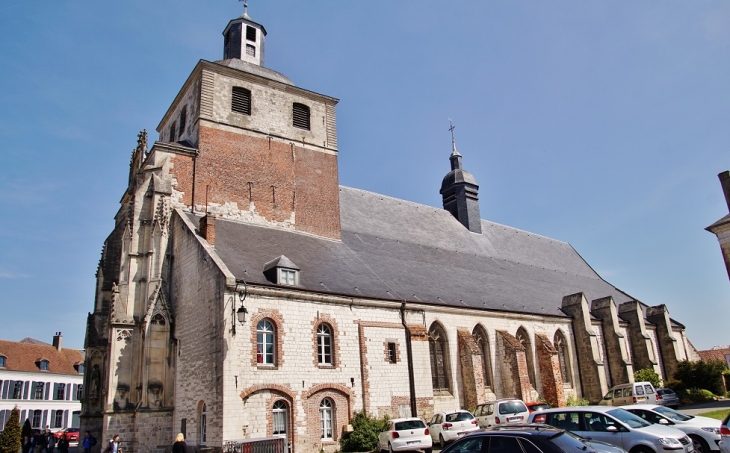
x=448 y=426
x=508 y=410
x=704 y=431
x=405 y=434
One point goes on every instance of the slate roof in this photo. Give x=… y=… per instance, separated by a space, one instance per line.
x=395 y=249
x=25 y=355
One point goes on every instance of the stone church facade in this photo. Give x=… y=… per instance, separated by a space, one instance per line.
x=352 y=300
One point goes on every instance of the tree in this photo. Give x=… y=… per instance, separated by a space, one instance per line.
x=648 y=375
x=27 y=430
x=364 y=436
x=10 y=437
x=705 y=374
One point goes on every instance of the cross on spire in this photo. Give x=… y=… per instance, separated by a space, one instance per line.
x=245 y=7
x=453 y=142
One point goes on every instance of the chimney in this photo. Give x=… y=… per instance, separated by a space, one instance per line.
x=725 y=181
x=207 y=228
x=57 y=341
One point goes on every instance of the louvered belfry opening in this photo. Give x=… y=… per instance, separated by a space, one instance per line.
x=301 y=116
x=241 y=100
x=250 y=33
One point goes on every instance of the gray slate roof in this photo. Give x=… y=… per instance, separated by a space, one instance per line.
x=395 y=249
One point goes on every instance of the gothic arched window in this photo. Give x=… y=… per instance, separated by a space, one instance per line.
x=524 y=339
x=482 y=340
x=439 y=350
x=325 y=418
x=203 y=425
x=563 y=357
x=324 y=344
x=280 y=419
x=265 y=342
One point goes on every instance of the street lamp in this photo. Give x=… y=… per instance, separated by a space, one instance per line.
x=242 y=290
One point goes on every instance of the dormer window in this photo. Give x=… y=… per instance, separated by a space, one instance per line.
x=79 y=368
x=282 y=271
x=3 y=361
x=43 y=365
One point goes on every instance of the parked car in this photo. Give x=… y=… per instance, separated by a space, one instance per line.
x=449 y=426
x=725 y=435
x=514 y=438
x=405 y=434
x=667 y=397
x=72 y=434
x=507 y=410
x=633 y=393
x=617 y=427
x=704 y=431
x=532 y=407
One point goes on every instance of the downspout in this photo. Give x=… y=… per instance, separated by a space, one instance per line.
x=192 y=196
x=409 y=352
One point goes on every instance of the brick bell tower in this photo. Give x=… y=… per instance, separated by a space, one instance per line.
x=252 y=146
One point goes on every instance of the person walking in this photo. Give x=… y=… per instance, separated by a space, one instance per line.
x=179 y=445
x=63 y=443
x=40 y=442
x=27 y=444
x=113 y=446
x=88 y=442
x=50 y=441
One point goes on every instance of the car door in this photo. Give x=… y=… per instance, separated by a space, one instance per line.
x=599 y=426
x=434 y=427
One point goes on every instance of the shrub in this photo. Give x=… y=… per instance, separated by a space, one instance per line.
x=700 y=395
x=575 y=401
x=648 y=375
x=364 y=436
x=705 y=374
x=677 y=386
x=10 y=437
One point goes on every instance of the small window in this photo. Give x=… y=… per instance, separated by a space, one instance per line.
x=250 y=33
x=2 y=361
x=265 y=343
x=392 y=357
x=60 y=392
x=58 y=419
x=287 y=277
x=79 y=392
x=300 y=116
x=80 y=368
x=37 y=414
x=324 y=344
x=43 y=365
x=173 y=137
x=38 y=391
x=203 y=425
x=17 y=390
x=183 y=120
x=250 y=50
x=325 y=418
x=241 y=100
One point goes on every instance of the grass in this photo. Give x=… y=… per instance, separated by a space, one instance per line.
x=718 y=414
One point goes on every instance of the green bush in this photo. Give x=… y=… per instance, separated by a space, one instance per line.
x=575 y=401
x=700 y=395
x=705 y=374
x=677 y=386
x=648 y=375
x=10 y=437
x=364 y=436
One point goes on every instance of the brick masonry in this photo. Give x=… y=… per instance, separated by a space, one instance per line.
x=549 y=365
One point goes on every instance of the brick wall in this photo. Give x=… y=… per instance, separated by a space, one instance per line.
x=550 y=375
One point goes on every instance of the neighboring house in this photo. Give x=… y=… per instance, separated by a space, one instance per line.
x=44 y=381
x=721 y=228
x=721 y=353
x=244 y=293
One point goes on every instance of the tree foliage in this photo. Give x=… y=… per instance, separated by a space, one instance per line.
x=705 y=374
x=648 y=375
x=364 y=436
x=10 y=437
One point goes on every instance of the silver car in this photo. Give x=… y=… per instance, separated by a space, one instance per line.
x=704 y=431
x=616 y=427
x=667 y=397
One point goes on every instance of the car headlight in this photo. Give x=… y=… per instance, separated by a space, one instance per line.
x=712 y=430
x=670 y=441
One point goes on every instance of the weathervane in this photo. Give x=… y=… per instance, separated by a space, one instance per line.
x=245 y=6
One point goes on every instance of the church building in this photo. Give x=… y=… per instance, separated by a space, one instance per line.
x=244 y=293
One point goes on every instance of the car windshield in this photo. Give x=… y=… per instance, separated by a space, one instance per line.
x=671 y=413
x=570 y=443
x=458 y=417
x=629 y=419
x=409 y=424
x=512 y=407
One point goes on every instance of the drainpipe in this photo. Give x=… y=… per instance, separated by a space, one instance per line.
x=409 y=352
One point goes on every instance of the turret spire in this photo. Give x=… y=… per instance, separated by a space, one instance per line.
x=243 y=39
x=459 y=191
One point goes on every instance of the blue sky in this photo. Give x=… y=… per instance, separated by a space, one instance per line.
x=602 y=124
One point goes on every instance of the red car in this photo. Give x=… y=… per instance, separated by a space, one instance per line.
x=532 y=407
x=72 y=434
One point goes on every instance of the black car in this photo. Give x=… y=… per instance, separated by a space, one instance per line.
x=528 y=438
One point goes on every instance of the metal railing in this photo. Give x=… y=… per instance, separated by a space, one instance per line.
x=261 y=445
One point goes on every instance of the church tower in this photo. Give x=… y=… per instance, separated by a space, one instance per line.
x=460 y=193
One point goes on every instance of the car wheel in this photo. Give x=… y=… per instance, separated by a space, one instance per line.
x=641 y=450
x=442 y=444
x=700 y=445
x=428 y=450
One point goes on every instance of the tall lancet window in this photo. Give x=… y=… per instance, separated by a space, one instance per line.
x=439 y=351
x=524 y=339
x=482 y=340
x=563 y=357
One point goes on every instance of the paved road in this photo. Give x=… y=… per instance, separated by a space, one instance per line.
x=694 y=409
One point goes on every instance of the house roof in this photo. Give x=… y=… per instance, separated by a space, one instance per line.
x=399 y=250
x=714 y=354
x=25 y=355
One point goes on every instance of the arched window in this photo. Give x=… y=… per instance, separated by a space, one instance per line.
x=524 y=340
x=563 y=357
x=482 y=340
x=183 y=120
x=265 y=342
x=279 y=412
x=325 y=418
x=324 y=344
x=439 y=350
x=203 y=424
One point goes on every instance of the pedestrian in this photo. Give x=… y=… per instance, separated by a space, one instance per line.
x=113 y=446
x=40 y=442
x=63 y=443
x=27 y=444
x=50 y=442
x=179 y=445
x=88 y=442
